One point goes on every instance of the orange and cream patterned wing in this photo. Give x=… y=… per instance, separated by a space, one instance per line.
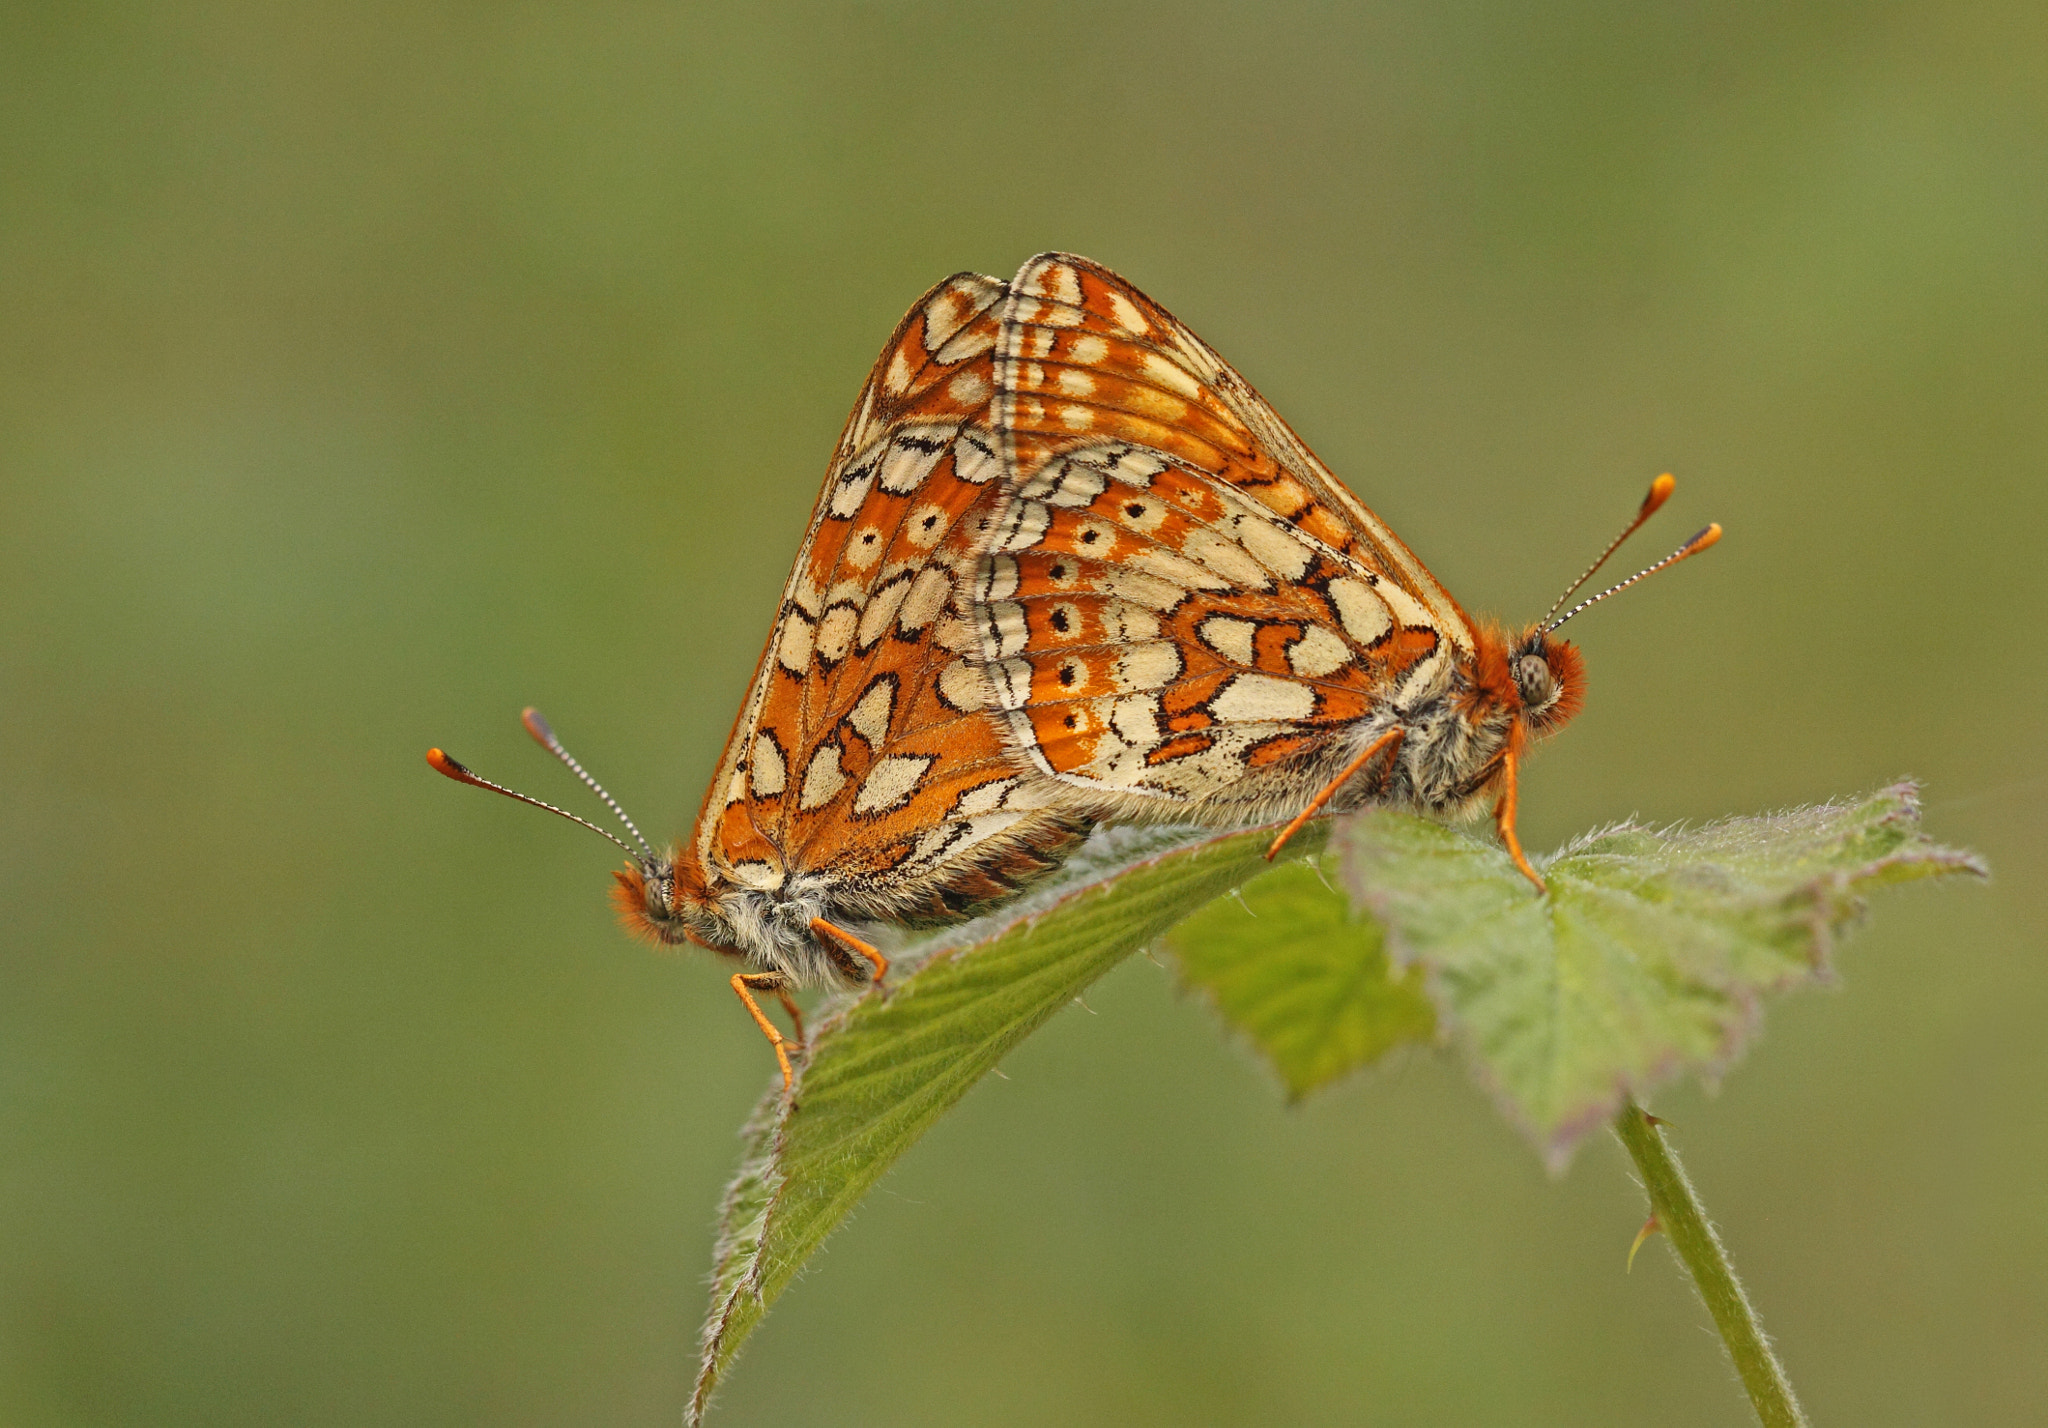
x=867 y=752
x=1179 y=596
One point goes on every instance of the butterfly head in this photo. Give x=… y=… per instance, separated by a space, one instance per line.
x=659 y=901
x=658 y=897
x=1549 y=679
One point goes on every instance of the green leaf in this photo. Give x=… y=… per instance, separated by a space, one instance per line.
x=1649 y=957
x=1651 y=953
x=1304 y=977
x=881 y=1071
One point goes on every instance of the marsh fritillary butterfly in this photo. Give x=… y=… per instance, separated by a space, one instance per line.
x=869 y=777
x=1188 y=618
x=1068 y=567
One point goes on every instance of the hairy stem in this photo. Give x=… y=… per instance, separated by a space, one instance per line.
x=1693 y=1240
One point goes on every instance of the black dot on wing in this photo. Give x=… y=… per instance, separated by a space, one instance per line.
x=1068 y=674
x=930 y=521
x=1060 y=621
x=1090 y=537
x=1135 y=509
x=1072 y=721
x=1059 y=572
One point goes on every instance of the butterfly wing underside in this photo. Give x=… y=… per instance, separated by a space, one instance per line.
x=1180 y=603
x=867 y=752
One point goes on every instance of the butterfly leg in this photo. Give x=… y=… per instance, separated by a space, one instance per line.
x=744 y=985
x=1391 y=740
x=854 y=945
x=1504 y=819
x=796 y=1018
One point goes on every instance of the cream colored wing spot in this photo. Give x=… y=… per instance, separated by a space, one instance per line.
x=1408 y=610
x=898 y=378
x=1172 y=377
x=1067 y=483
x=1011 y=679
x=1317 y=653
x=851 y=491
x=995 y=577
x=1088 y=349
x=1059 y=282
x=890 y=783
x=1273 y=546
x=864 y=548
x=926 y=599
x=771 y=774
x=1023 y=525
x=911 y=455
x=963 y=686
x=803 y=593
x=881 y=611
x=956 y=305
x=1229 y=637
x=1128 y=315
x=1143 y=514
x=755 y=874
x=822 y=780
x=1142 y=589
x=1128 y=624
x=1135 y=718
x=1120 y=461
x=971 y=343
x=926 y=526
x=1176 y=570
x=1259 y=698
x=836 y=632
x=984 y=798
x=974 y=458
x=969 y=388
x=1228 y=559
x=1073 y=676
x=1362 y=613
x=1003 y=629
x=1076 y=417
x=1149 y=666
x=870 y=714
x=1075 y=383
x=793 y=645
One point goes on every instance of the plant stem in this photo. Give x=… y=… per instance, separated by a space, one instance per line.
x=1694 y=1241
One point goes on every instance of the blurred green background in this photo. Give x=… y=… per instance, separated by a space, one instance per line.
x=368 y=371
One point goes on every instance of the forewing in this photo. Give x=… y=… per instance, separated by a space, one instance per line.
x=1178 y=595
x=867 y=751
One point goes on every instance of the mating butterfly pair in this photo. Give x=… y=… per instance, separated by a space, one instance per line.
x=1069 y=568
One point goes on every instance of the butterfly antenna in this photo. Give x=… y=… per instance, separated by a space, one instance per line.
x=1692 y=547
x=1660 y=492
x=545 y=737
x=444 y=765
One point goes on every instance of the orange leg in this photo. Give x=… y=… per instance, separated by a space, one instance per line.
x=854 y=945
x=775 y=982
x=1504 y=819
x=1390 y=740
x=796 y=1018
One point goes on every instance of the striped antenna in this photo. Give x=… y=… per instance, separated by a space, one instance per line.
x=545 y=737
x=1660 y=492
x=1692 y=547
x=442 y=764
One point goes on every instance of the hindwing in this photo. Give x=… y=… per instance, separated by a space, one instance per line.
x=868 y=752
x=1178 y=597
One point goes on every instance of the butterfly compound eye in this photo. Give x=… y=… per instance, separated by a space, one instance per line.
x=1537 y=683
